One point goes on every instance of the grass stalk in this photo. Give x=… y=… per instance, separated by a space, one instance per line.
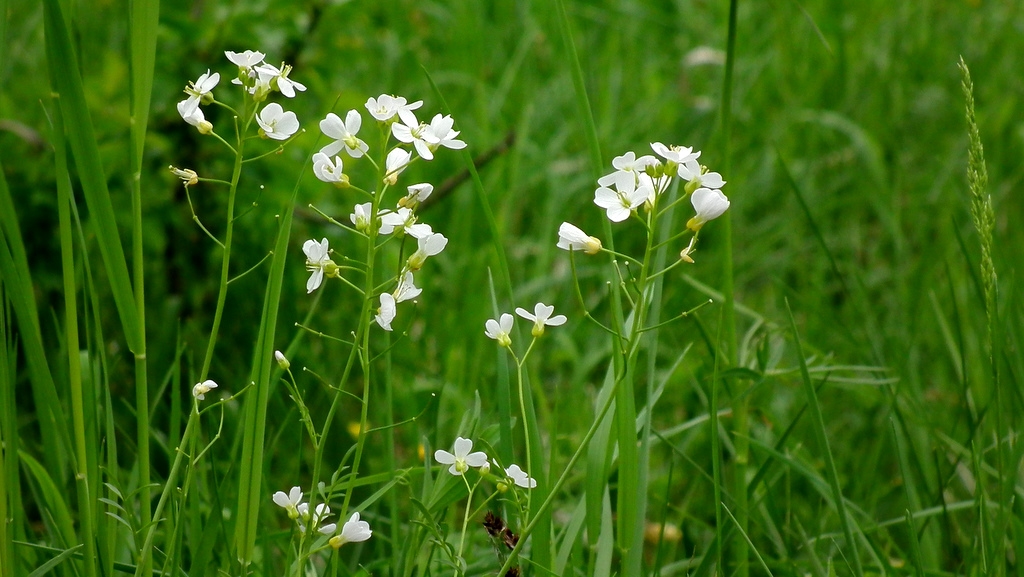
x=144 y=18
x=853 y=555
x=83 y=444
x=740 y=551
x=597 y=464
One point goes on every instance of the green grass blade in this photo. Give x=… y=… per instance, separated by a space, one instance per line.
x=10 y=484
x=85 y=446
x=830 y=465
x=18 y=286
x=250 y=495
x=70 y=96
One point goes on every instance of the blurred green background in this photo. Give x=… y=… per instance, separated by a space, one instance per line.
x=846 y=176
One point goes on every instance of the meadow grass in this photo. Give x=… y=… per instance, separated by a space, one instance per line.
x=846 y=403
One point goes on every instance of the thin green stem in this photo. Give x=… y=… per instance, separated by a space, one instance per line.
x=222 y=291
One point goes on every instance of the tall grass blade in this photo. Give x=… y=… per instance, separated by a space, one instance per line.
x=70 y=96
x=251 y=469
x=740 y=409
x=84 y=445
x=144 y=17
x=830 y=465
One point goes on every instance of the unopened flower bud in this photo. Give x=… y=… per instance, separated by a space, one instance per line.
x=282 y=361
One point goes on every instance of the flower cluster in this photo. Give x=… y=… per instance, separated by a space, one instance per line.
x=541 y=316
x=414 y=140
x=258 y=79
x=462 y=460
x=640 y=182
x=353 y=531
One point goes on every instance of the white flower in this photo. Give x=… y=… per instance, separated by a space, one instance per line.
x=406 y=290
x=395 y=163
x=619 y=203
x=417 y=194
x=519 y=477
x=289 y=502
x=571 y=237
x=245 y=60
x=195 y=117
x=428 y=246
x=318 y=262
x=676 y=154
x=360 y=216
x=282 y=361
x=201 y=389
x=439 y=133
x=462 y=459
x=630 y=163
x=344 y=134
x=709 y=203
x=275 y=77
x=275 y=123
x=197 y=90
x=321 y=512
x=541 y=316
x=404 y=220
x=696 y=177
x=386 y=106
x=329 y=171
x=499 y=329
x=387 y=311
x=354 y=531
x=410 y=131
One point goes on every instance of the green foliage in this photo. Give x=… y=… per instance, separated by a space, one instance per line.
x=871 y=430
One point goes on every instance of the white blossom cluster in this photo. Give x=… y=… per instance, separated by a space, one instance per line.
x=258 y=79
x=415 y=141
x=640 y=182
x=353 y=531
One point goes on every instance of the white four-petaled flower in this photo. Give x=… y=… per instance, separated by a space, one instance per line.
x=499 y=329
x=406 y=290
x=202 y=389
x=353 y=531
x=395 y=163
x=417 y=194
x=195 y=117
x=674 y=154
x=318 y=262
x=387 y=311
x=626 y=196
x=385 y=107
x=427 y=246
x=273 y=76
x=403 y=219
x=344 y=134
x=519 y=477
x=709 y=203
x=289 y=502
x=541 y=316
x=321 y=512
x=197 y=90
x=360 y=216
x=276 y=123
x=570 y=237
x=630 y=163
x=329 y=170
x=245 y=60
x=462 y=459
x=692 y=172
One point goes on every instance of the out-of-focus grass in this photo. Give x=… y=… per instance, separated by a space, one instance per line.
x=858 y=102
